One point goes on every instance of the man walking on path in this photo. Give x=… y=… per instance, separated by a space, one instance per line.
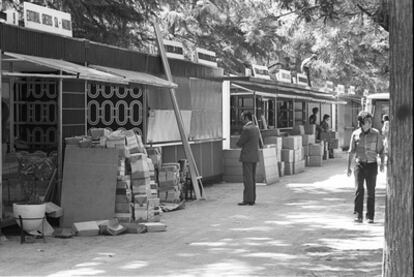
x=366 y=144
x=249 y=142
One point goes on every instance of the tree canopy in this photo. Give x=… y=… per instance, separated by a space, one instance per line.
x=350 y=38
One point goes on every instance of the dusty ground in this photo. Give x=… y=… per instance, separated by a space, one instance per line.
x=301 y=226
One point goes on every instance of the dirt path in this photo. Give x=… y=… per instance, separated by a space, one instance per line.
x=301 y=226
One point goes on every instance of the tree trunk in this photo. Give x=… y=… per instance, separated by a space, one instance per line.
x=398 y=248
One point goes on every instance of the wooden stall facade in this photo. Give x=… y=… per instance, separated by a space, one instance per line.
x=74 y=84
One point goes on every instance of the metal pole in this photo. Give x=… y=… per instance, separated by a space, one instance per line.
x=60 y=139
x=195 y=178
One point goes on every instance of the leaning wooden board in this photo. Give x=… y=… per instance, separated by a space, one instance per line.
x=89 y=184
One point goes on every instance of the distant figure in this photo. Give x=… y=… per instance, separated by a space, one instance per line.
x=385 y=133
x=306 y=64
x=313 y=116
x=324 y=135
x=366 y=144
x=249 y=142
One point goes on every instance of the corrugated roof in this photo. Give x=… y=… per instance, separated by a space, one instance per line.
x=81 y=72
x=137 y=77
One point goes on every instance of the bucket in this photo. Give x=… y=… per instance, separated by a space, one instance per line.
x=32 y=215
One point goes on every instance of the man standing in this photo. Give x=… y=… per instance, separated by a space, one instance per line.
x=249 y=142
x=305 y=66
x=314 y=115
x=366 y=144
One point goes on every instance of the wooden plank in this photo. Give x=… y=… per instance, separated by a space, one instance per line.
x=89 y=184
x=195 y=175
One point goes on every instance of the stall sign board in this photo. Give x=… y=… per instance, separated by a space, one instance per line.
x=46 y=19
x=174 y=49
x=351 y=90
x=206 y=57
x=284 y=76
x=302 y=79
x=340 y=88
x=12 y=17
x=260 y=71
x=329 y=86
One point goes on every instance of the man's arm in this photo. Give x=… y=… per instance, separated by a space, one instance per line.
x=350 y=158
x=380 y=151
x=243 y=138
x=350 y=155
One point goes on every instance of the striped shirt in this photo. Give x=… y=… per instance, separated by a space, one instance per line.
x=366 y=146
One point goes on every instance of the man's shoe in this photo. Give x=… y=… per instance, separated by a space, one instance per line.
x=242 y=203
x=358 y=219
x=251 y=203
x=370 y=221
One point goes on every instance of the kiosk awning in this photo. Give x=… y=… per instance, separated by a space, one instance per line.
x=137 y=77
x=24 y=63
x=269 y=88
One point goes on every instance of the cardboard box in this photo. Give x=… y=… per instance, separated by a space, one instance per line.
x=152 y=227
x=298 y=166
x=86 y=228
x=273 y=140
x=298 y=130
x=289 y=170
x=310 y=129
x=314 y=161
x=308 y=139
x=315 y=150
x=287 y=155
x=281 y=166
x=292 y=142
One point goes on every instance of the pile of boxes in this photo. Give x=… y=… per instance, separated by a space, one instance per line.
x=293 y=154
x=136 y=189
x=313 y=150
x=276 y=141
x=170 y=190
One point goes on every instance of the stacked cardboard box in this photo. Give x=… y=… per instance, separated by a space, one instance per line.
x=307 y=140
x=136 y=189
x=169 y=183
x=310 y=129
x=266 y=170
x=315 y=156
x=277 y=142
x=292 y=154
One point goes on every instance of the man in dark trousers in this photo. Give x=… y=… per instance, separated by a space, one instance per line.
x=366 y=144
x=249 y=156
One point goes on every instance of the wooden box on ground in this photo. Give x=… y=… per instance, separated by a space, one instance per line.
x=315 y=149
x=294 y=167
x=292 y=142
x=308 y=139
x=310 y=129
x=281 y=166
x=266 y=171
x=314 y=161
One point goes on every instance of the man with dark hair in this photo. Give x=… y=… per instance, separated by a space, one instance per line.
x=366 y=144
x=314 y=115
x=249 y=142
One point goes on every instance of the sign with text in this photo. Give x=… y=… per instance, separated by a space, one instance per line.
x=46 y=19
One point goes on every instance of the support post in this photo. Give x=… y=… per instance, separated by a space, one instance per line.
x=195 y=176
x=60 y=140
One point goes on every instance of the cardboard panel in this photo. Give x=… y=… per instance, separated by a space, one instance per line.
x=89 y=184
x=162 y=125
